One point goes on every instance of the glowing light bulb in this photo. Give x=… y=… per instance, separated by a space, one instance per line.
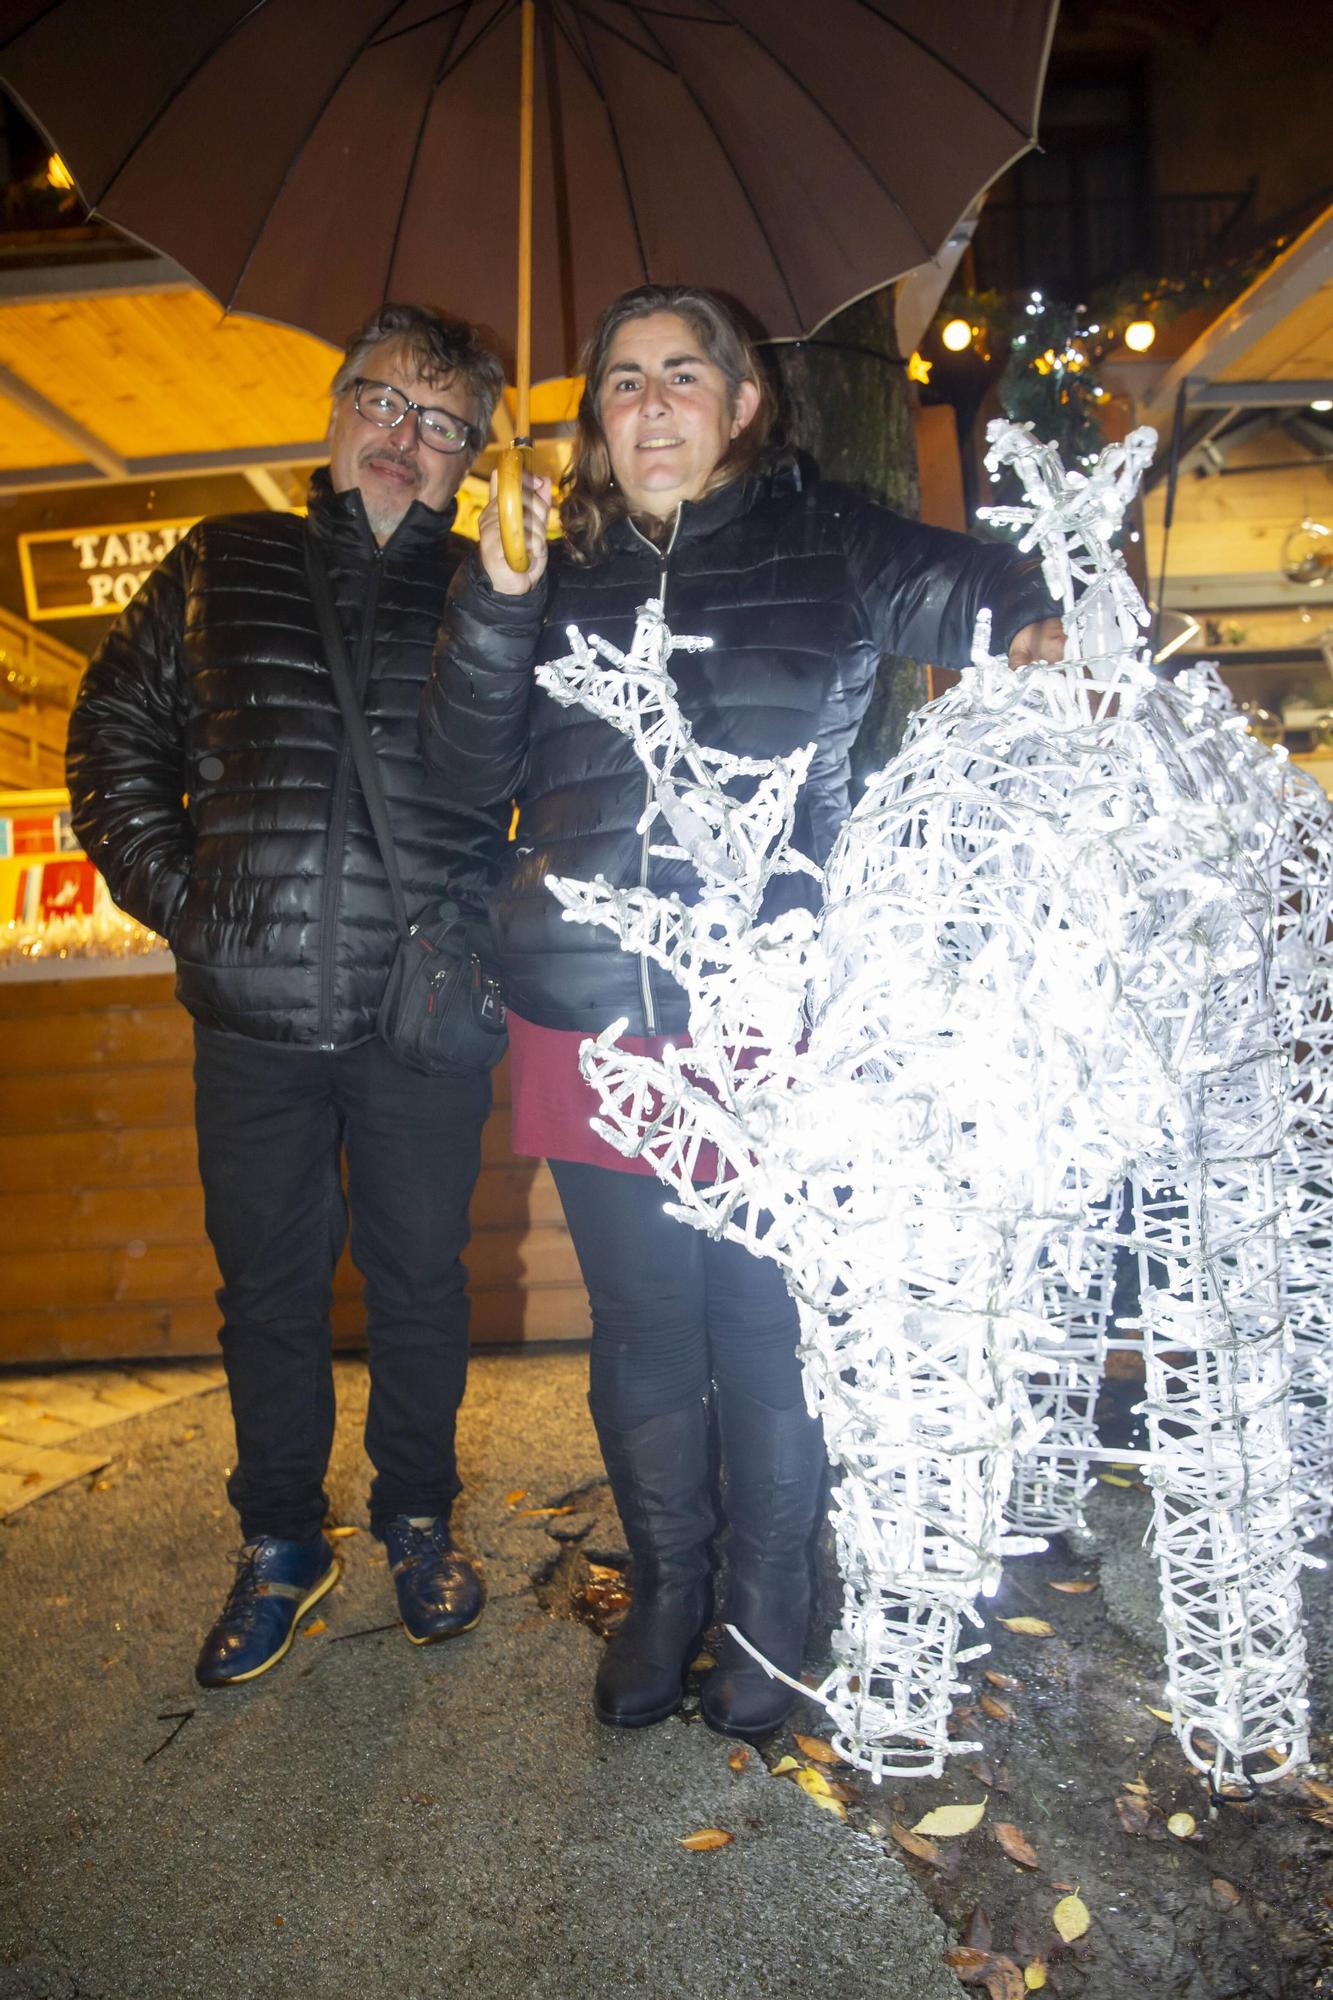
x=1140 y=335
x=957 y=335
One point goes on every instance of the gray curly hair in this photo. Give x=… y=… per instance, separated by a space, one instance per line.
x=438 y=345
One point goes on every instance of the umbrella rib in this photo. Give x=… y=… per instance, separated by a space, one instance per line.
x=587 y=61
x=51 y=7
x=746 y=196
x=441 y=71
x=294 y=159
x=826 y=114
x=869 y=7
x=181 y=84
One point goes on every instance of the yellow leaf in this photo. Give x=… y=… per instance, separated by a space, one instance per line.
x=340 y=1534
x=738 y=1759
x=785 y=1765
x=1071 y=1917
x=947 y=1822
x=706 y=1838
x=1113 y=1479
x=315 y=1627
x=1162 y=1714
x=997 y=1710
x=701 y=1663
x=1015 y=1843
x=604 y=1572
x=541 y=1513
x=519 y=1493
x=1031 y=1628
x=1005 y=1681
x=816 y=1786
x=1181 y=1824
x=1324 y=1792
x=1034 y=1976
x=1075 y=1588
x=816 y=1749
x=915 y=1844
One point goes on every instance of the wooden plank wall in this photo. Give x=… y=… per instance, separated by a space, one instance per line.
x=103 y=1252
x=32 y=736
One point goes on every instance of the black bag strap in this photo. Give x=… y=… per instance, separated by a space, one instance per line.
x=354 y=721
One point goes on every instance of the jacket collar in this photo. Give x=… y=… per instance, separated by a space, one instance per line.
x=340 y=523
x=698 y=518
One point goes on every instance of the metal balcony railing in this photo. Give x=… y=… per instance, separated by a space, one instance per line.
x=1069 y=249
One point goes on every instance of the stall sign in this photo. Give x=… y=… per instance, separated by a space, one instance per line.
x=92 y=572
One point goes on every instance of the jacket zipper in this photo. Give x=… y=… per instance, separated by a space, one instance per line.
x=342 y=785
x=645 y=970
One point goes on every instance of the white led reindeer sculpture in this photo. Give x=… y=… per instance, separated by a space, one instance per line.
x=1041 y=964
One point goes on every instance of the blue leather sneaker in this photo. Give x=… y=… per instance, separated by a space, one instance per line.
x=439 y=1591
x=276 y=1584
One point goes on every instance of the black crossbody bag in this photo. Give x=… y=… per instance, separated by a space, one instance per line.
x=443 y=1010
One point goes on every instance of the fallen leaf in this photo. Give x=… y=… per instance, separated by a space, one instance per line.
x=916 y=1845
x=1075 y=1589
x=1162 y=1714
x=948 y=1822
x=1134 y=1814
x=1004 y=1981
x=1324 y=1792
x=1031 y=1628
x=315 y=1627
x=1034 y=1975
x=1227 y=1894
x=1071 y=1917
x=706 y=1838
x=604 y=1572
x=1067 y=1887
x=1005 y=1681
x=969 y=1962
x=541 y=1513
x=816 y=1786
x=1137 y=1785
x=816 y=1749
x=1015 y=1843
x=102 y=1485
x=738 y=1759
x=997 y=1710
x=785 y=1765
x=340 y=1534
x=977 y=1931
x=1113 y=1479
x=1182 y=1824
x=701 y=1663
x=279 y=1921
x=982 y=1770
x=519 y=1493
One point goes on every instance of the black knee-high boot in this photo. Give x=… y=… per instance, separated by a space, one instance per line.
x=660 y=1476
x=775 y=1466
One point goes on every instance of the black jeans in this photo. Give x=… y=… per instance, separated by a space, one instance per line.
x=272 y=1123
x=672 y=1310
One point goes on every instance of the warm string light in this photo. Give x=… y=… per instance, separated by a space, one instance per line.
x=1044 y=921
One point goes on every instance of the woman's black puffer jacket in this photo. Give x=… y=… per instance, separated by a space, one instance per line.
x=800 y=586
x=212 y=784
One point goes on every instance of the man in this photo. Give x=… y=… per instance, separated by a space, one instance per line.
x=213 y=784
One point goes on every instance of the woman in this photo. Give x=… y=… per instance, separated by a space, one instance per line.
x=801 y=586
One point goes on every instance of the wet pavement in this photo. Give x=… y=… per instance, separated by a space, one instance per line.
x=374 y=1818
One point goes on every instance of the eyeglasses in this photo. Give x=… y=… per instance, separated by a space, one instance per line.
x=385 y=407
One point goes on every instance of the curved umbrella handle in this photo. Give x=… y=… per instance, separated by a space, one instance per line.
x=514 y=462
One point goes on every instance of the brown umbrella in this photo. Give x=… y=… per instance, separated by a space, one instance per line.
x=305 y=159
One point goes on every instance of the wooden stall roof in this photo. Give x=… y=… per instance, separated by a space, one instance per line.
x=116 y=371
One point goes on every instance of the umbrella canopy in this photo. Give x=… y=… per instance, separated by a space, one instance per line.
x=305 y=162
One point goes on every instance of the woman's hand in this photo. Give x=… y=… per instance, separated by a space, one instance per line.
x=1042 y=640
x=536 y=507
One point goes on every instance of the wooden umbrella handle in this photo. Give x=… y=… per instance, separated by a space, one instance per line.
x=517 y=459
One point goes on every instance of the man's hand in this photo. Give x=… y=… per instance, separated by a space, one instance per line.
x=1043 y=640
x=536 y=506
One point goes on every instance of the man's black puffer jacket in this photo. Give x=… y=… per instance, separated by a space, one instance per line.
x=212 y=784
x=800 y=587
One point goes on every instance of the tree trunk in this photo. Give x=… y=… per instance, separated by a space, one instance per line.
x=849 y=405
